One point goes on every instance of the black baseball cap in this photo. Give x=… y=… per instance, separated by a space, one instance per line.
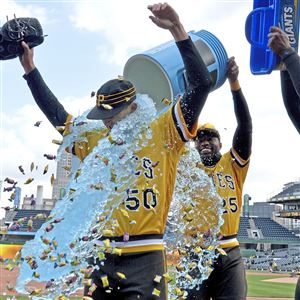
x=111 y=98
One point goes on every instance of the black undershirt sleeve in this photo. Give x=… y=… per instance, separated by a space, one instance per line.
x=242 y=139
x=198 y=85
x=290 y=88
x=45 y=99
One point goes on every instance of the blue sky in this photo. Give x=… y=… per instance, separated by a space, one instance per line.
x=89 y=42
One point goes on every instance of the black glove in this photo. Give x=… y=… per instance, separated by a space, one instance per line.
x=14 y=31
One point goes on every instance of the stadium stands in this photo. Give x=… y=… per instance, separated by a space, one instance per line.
x=27 y=213
x=270 y=229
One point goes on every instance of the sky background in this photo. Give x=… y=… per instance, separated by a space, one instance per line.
x=89 y=43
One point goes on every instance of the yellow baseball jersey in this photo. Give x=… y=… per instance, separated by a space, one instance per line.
x=228 y=176
x=145 y=210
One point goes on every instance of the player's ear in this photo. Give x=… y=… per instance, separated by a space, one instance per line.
x=221 y=145
x=133 y=107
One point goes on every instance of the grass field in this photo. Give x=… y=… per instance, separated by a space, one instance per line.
x=257 y=287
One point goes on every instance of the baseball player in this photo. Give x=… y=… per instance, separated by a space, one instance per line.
x=142 y=261
x=290 y=84
x=228 y=172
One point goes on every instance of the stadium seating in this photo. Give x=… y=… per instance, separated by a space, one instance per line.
x=27 y=213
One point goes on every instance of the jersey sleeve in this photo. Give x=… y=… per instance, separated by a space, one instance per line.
x=171 y=128
x=239 y=165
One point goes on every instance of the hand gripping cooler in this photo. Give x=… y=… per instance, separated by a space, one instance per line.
x=160 y=73
x=267 y=13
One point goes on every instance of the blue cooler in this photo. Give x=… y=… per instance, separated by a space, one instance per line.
x=160 y=73
x=267 y=13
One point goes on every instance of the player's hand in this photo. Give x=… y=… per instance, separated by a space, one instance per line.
x=232 y=71
x=26 y=58
x=164 y=15
x=278 y=40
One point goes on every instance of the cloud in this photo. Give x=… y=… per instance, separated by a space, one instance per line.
x=124 y=28
x=9 y=8
x=23 y=143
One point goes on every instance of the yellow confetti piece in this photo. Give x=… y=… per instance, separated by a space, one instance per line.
x=39 y=217
x=124 y=213
x=188 y=208
x=87 y=298
x=178 y=291
x=107 y=232
x=52 y=179
x=48 y=250
x=110 y=139
x=77 y=174
x=8 y=267
x=45 y=169
x=67 y=168
x=60 y=128
x=180 y=267
x=121 y=275
x=36 y=292
x=84 y=271
x=221 y=251
x=106 y=106
x=92 y=289
x=101 y=255
x=105 y=282
x=36 y=275
x=210 y=248
x=157 y=278
x=188 y=277
x=198 y=249
x=32 y=166
x=188 y=217
x=61 y=297
x=107 y=243
x=29 y=180
x=75 y=262
x=192 y=265
x=53 y=258
x=117 y=251
x=166 y=101
x=167 y=277
x=87 y=282
x=156 y=292
x=182 y=252
x=57 y=142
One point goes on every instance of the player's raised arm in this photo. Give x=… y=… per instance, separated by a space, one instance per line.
x=199 y=81
x=42 y=95
x=242 y=140
x=290 y=82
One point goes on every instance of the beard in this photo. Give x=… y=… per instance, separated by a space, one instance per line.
x=210 y=160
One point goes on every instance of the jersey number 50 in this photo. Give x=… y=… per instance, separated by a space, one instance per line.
x=149 y=199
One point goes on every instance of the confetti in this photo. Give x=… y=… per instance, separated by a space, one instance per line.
x=104 y=280
x=156 y=292
x=29 y=180
x=121 y=275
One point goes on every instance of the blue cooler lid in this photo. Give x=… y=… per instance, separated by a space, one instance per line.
x=262 y=58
